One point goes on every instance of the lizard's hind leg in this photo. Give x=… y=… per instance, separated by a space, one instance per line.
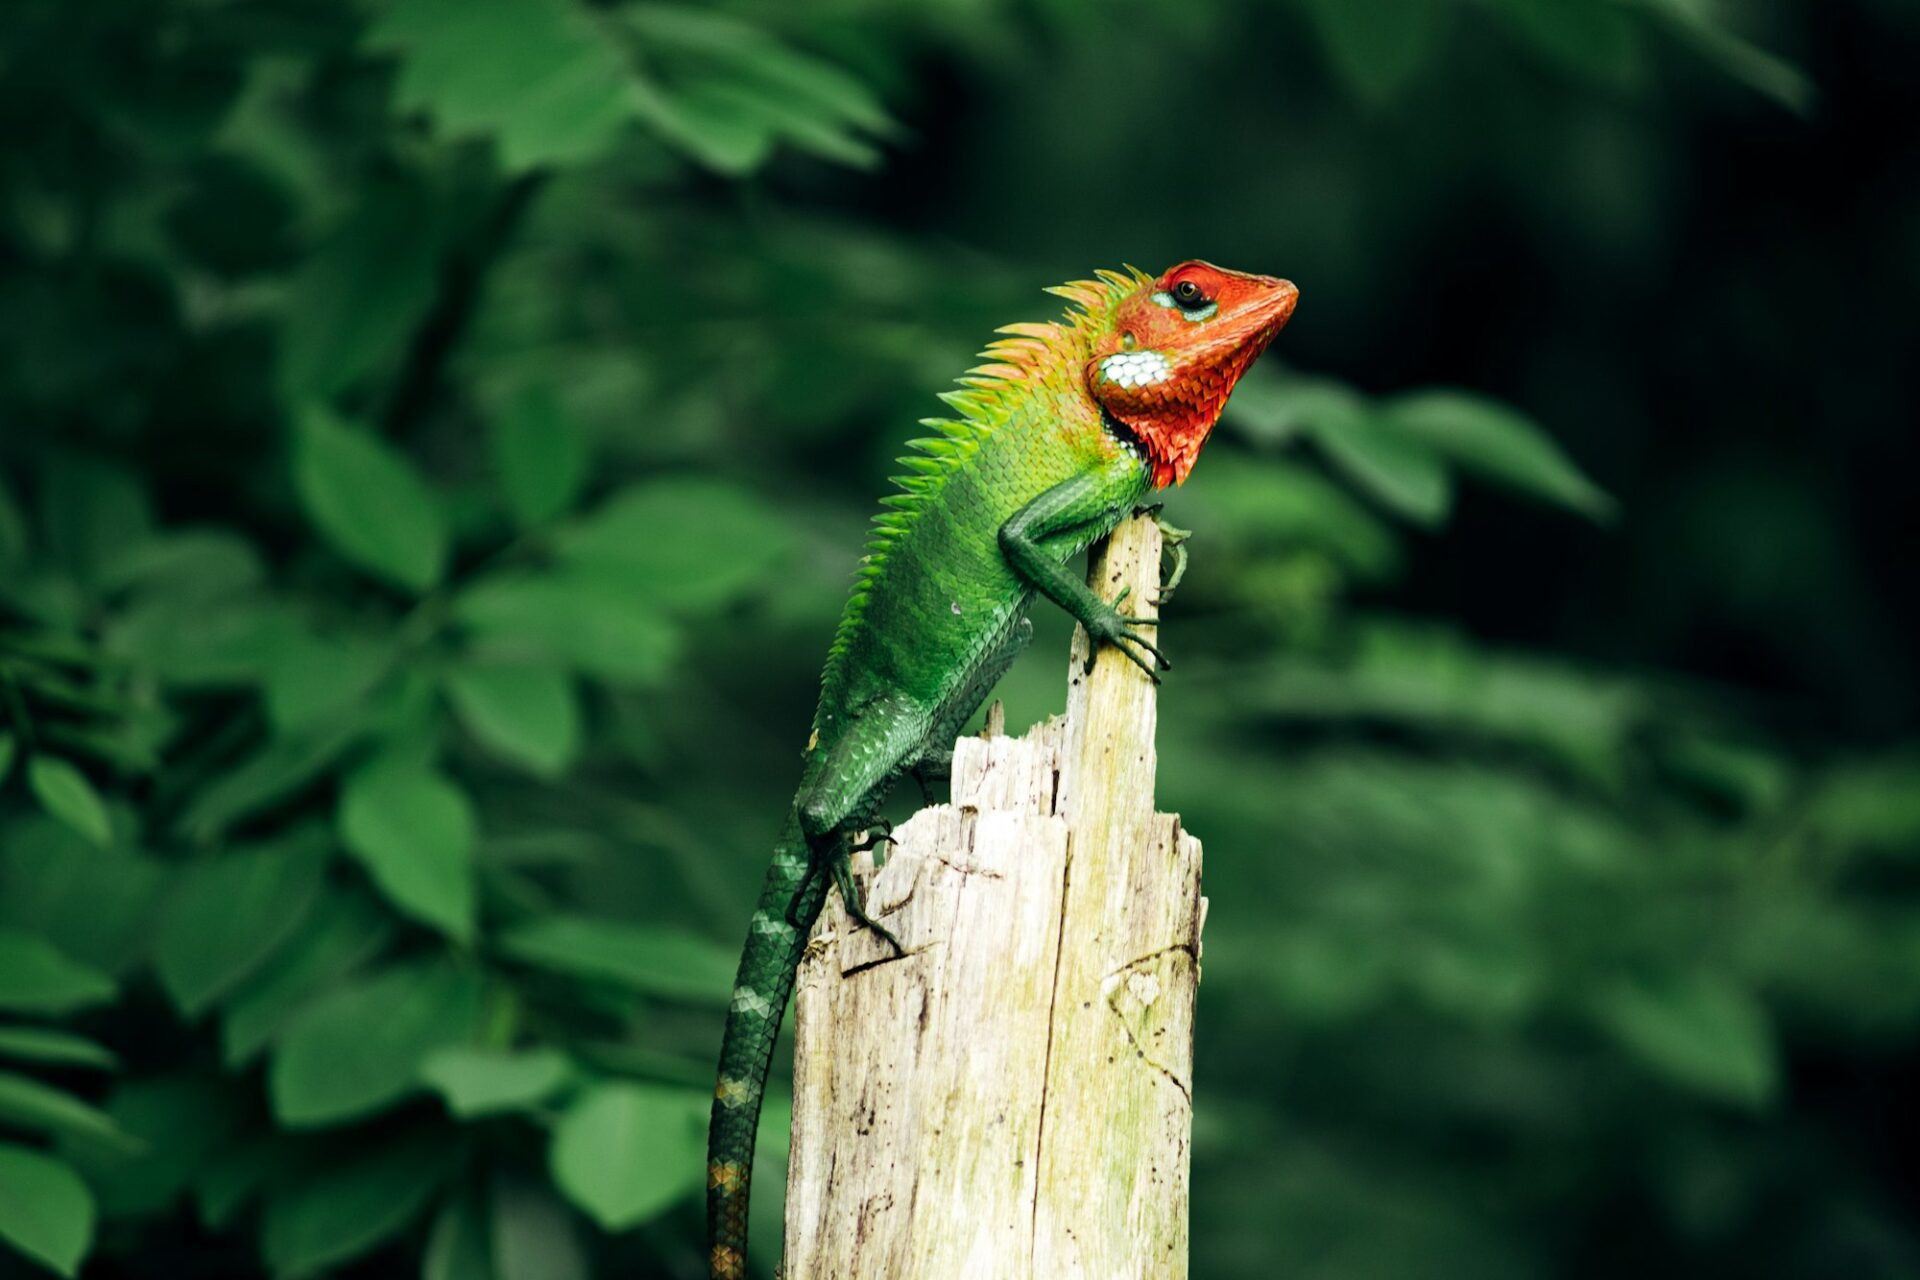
x=882 y=740
x=850 y=898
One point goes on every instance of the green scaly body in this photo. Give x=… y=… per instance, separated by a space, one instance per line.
x=1056 y=439
x=936 y=616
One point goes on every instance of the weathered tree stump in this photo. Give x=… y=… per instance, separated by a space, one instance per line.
x=1012 y=1100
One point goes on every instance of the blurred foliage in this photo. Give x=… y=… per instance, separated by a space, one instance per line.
x=434 y=440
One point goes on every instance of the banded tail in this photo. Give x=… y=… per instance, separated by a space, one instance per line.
x=760 y=991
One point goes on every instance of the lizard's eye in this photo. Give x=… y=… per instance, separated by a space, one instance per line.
x=1189 y=295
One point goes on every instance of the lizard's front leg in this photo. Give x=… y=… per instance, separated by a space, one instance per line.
x=1038 y=538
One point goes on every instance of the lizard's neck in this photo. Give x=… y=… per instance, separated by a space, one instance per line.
x=1126 y=437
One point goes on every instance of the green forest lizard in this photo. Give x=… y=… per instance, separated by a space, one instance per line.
x=1061 y=435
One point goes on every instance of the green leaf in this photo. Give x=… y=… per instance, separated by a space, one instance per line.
x=46 y=1211
x=173 y=1123
x=1598 y=41
x=36 y=978
x=687 y=543
x=1257 y=503
x=527 y=714
x=807 y=83
x=1401 y=473
x=358 y=1048
x=1765 y=73
x=64 y=792
x=185 y=640
x=13 y=529
x=43 y=1044
x=457 y=1243
x=197 y=564
x=534 y=74
x=28 y=1104
x=763 y=112
x=92 y=511
x=269 y=775
x=653 y=959
x=539 y=456
x=533 y=1234
x=344 y=931
x=228 y=915
x=599 y=627
x=1703 y=1032
x=93 y=905
x=357 y=298
x=341 y=1211
x=1273 y=408
x=729 y=90
x=1432 y=683
x=1493 y=440
x=1377 y=46
x=1871 y=802
x=625 y=1152
x=9 y=746
x=1744 y=776
x=227 y=1181
x=311 y=678
x=478 y=1082
x=725 y=135
x=368 y=501
x=413 y=829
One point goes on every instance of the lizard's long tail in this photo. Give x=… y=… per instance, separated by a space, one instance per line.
x=753 y=1023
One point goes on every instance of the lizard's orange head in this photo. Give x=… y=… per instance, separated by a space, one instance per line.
x=1177 y=345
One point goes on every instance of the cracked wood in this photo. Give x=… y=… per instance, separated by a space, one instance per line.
x=1012 y=1100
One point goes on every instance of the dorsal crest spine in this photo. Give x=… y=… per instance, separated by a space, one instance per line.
x=987 y=394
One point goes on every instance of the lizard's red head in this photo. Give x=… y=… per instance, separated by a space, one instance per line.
x=1177 y=345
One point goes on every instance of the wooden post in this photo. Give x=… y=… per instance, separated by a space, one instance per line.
x=1012 y=1100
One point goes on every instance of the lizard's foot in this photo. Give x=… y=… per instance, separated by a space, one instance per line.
x=1173 y=539
x=883 y=834
x=1117 y=629
x=1173 y=576
x=851 y=899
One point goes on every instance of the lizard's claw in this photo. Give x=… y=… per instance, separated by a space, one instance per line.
x=850 y=898
x=1117 y=629
x=875 y=838
x=1179 y=571
x=1172 y=539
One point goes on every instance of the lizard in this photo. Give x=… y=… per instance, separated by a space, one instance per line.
x=1065 y=430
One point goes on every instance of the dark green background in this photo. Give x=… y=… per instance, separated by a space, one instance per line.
x=435 y=439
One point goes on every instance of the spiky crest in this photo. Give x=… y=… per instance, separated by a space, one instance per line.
x=989 y=394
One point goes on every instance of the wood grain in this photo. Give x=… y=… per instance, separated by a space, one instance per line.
x=1012 y=1099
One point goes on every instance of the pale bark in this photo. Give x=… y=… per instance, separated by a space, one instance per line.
x=1012 y=1100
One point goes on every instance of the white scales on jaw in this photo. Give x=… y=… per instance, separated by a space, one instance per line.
x=1135 y=368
